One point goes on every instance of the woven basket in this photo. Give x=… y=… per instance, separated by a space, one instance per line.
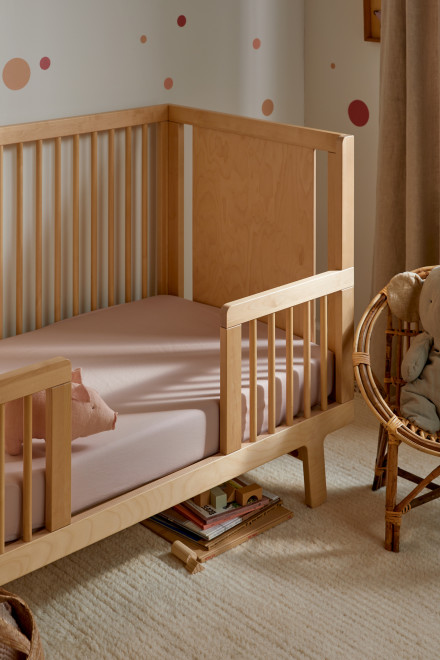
x=19 y=636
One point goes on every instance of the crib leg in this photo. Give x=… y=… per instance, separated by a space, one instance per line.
x=312 y=456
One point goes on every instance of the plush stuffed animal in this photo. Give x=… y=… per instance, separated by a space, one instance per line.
x=413 y=299
x=90 y=414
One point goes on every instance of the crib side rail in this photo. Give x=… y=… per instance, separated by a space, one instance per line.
x=267 y=304
x=54 y=376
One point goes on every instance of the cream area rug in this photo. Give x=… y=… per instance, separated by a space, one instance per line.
x=318 y=586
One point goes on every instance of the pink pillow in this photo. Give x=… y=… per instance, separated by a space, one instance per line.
x=90 y=414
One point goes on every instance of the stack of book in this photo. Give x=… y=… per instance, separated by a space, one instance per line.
x=210 y=530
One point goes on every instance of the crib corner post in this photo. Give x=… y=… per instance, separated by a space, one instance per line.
x=58 y=456
x=230 y=389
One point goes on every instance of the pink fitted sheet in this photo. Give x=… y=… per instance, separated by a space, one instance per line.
x=156 y=362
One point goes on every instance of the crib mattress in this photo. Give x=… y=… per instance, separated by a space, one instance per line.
x=156 y=362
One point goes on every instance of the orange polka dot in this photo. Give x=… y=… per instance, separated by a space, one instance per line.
x=16 y=73
x=267 y=107
x=256 y=44
x=168 y=83
x=143 y=38
x=333 y=65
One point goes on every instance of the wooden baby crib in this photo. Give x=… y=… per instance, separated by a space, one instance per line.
x=94 y=212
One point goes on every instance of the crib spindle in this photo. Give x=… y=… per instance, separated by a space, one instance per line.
x=19 y=243
x=144 y=210
x=323 y=316
x=2 y=478
x=253 y=380
x=38 y=234
x=271 y=372
x=1 y=241
x=27 y=468
x=111 y=217
x=75 y=225
x=57 y=233
x=289 y=366
x=307 y=369
x=128 y=214
x=94 y=221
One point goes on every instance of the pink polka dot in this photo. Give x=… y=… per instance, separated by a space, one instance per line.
x=181 y=21
x=44 y=63
x=16 y=73
x=143 y=39
x=267 y=107
x=168 y=83
x=358 y=112
x=256 y=44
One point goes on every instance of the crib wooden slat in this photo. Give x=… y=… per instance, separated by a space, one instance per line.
x=75 y=228
x=57 y=233
x=38 y=234
x=144 y=211
x=230 y=389
x=2 y=478
x=111 y=217
x=253 y=380
x=162 y=155
x=58 y=456
x=19 y=243
x=289 y=366
x=1 y=241
x=175 y=237
x=27 y=468
x=271 y=372
x=128 y=214
x=323 y=319
x=307 y=368
x=94 y=220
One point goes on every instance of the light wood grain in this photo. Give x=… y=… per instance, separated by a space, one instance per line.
x=19 y=242
x=128 y=218
x=94 y=220
x=285 y=133
x=53 y=128
x=289 y=366
x=289 y=295
x=144 y=211
x=38 y=234
x=323 y=341
x=175 y=210
x=27 y=468
x=253 y=215
x=253 y=380
x=162 y=153
x=75 y=225
x=33 y=378
x=58 y=456
x=2 y=478
x=126 y=510
x=306 y=359
x=111 y=217
x=1 y=241
x=57 y=231
x=341 y=205
x=230 y=389
x=271 y=372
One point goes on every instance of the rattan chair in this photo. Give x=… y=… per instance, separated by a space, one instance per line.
x=384 y=400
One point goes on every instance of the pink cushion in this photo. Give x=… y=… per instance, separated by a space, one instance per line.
x=90 y=414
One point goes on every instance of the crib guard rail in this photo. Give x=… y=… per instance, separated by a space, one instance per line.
x=54 y=376
x=323 y=286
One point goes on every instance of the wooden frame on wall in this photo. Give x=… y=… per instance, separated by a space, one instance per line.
x=372 y=18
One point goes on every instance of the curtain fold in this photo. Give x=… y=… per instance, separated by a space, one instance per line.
x=407 y=232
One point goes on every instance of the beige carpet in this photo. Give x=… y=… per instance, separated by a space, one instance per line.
x=318 y=586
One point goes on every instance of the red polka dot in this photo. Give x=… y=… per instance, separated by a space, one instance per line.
x=143 y=39
x=44 y=63
x=333 y=65
x=256 y=43
x=181 y=21
x=358 y=113
x=267 y=107
x=168 y=83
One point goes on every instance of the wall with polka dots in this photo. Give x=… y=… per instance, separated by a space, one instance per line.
x=64 y=58
x=342 y=94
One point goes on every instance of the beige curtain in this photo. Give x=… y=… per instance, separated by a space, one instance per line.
x=407 y=231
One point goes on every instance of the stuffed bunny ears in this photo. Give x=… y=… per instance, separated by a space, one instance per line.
x=403 y=292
